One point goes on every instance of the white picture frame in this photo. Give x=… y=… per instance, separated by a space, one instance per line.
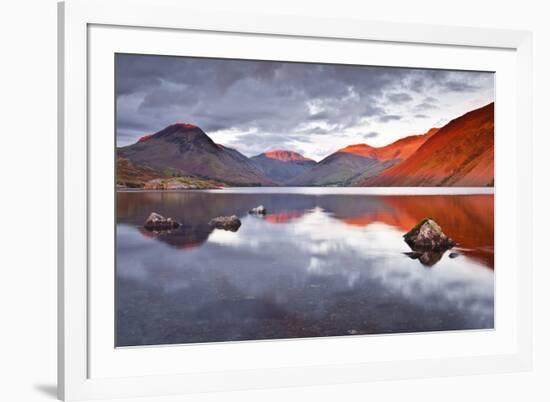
x=77 y=346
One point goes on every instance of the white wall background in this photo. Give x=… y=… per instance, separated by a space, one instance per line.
x=28 y=198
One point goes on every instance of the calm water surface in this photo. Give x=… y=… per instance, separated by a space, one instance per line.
x=316 y=265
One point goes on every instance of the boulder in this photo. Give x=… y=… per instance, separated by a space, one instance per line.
x=259 y=210
x=454 y=255
x=232 y=223
x=158 y=222
x=428 y=236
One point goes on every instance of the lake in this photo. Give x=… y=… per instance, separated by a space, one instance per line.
x=322 y=262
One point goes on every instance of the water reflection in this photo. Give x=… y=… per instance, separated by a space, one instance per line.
x=426 y=258
x=315 y=265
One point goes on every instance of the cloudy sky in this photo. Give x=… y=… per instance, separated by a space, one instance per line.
x=314 y=109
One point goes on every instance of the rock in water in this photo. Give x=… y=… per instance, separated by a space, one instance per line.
x=259 y=210
x=232 y=223
x=454 y=255
x=428 y=236
x=159 y=222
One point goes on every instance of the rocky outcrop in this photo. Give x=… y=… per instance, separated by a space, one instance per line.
x=232 y=223
x=131 y=175
x=428 y=236
x=158 y=222
x=181 y=183
x=259 y=210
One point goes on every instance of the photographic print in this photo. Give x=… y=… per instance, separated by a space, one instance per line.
x=264 y=200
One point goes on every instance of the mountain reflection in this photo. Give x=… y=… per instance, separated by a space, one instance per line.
x=426 y=258
x=468 y=219
x=315 y=265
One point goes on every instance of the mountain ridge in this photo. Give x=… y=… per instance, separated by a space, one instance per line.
x=284 y=155
x=355 y=163
x=460 y=153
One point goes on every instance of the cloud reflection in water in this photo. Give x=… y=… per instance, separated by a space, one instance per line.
x=312 y=275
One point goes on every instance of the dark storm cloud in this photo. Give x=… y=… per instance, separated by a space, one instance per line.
x=460 y=86
x=429 y=103
x=389 y=117
x=399 y=97
x=443 y=81
x=316 y=130
x=274 y=102
x=425 y=106
x=318 y=116
x=416 y=84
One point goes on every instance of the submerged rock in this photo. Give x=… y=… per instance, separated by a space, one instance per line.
x=428 y=236
x=259 y=210
x=158 y=222
x=232 y=223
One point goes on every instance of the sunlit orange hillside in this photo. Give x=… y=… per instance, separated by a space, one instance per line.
x=459 y=154
x=400 y=149
x=355 y=163
x=284 y=155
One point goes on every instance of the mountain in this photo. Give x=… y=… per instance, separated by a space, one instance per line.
x=356 y=163
x=281 y=165
x=460 y=154
x=184 y=149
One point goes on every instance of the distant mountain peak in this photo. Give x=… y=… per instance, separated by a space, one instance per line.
x=185 y=149
x=282 y=165
x=285 y=155
x=172 y=129
x=185 y=125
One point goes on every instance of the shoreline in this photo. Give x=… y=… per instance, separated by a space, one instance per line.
x=331 y=190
